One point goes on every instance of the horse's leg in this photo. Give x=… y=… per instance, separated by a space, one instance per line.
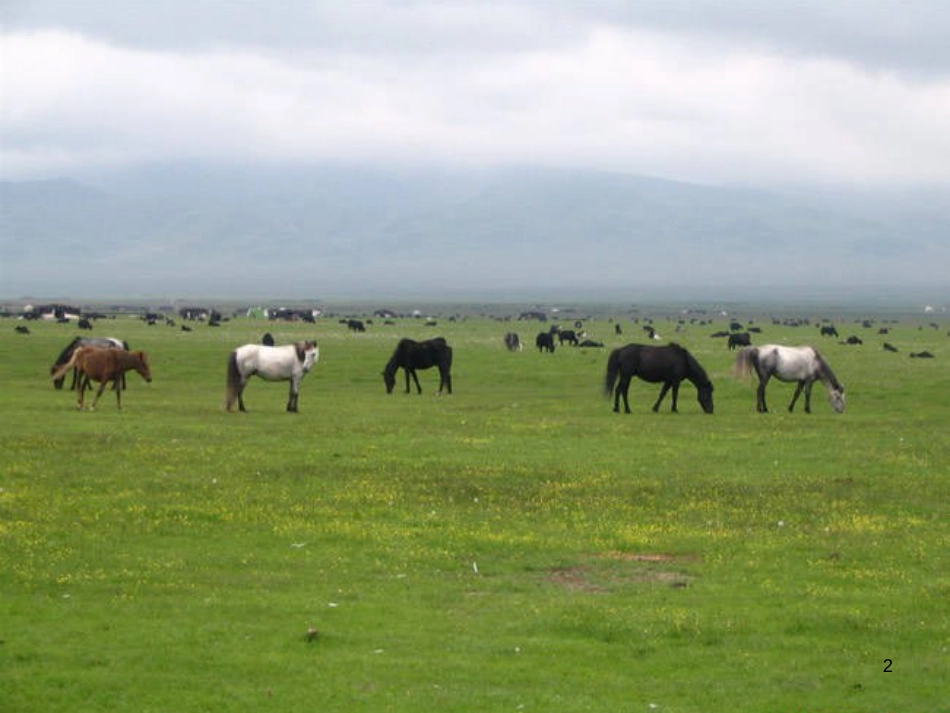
x=118 y=390
x=666 y=387
x=798 y=391
x=102 y=388
x=81 y=402
x=240 y=394
x=808 y=386
x=294 y=393
x=415 y=377
x=760 y=405
x=623 y=389
x=446 y=380
x=408 y=371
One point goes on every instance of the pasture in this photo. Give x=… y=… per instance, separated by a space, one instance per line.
x=515 y=546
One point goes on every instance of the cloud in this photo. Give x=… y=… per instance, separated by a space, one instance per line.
x=725 y=93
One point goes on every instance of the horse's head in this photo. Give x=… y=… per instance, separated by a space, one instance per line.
x=836 y=397
x=389 y=378
x=310 y=354
x=143 y=367
x=705 y=396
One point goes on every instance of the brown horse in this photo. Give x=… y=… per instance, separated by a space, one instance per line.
x=104 y=365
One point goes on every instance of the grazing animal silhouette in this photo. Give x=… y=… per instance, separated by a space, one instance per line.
x=410 y=355
x=668 y=365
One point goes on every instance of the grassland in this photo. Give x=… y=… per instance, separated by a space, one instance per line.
x=516 y=546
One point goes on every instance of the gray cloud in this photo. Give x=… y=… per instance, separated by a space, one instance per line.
x=740 y=91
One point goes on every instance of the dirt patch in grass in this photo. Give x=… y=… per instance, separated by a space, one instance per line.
x=610 y=570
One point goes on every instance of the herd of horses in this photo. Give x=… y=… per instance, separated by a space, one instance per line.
x=107 y=360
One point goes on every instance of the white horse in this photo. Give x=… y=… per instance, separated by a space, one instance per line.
x=292 y=362
x=802 y=364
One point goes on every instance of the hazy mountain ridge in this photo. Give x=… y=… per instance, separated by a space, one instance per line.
x=312 y=231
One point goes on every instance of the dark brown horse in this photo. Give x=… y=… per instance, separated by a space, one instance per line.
x=104 y=365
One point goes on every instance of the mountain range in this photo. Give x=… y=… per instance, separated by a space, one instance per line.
x=314 y=232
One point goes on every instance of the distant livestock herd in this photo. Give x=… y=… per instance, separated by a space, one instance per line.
x=106 y=361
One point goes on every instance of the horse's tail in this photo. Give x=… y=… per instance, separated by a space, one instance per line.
x=613 y=371
x=59 y=372
x=63 y=357
x=745 y=362
x=234 y=381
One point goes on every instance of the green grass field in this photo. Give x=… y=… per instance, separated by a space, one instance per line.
x=516 y=546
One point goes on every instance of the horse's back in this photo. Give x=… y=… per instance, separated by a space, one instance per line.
x=789 y=363
x=98 y=363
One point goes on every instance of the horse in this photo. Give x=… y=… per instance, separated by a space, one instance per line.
x=513 y=342
x=104 y=365
x=669 y=364
x=801 y=364
x=67 y=353
x=289 y=362
x=545 y=341
x=410 y=355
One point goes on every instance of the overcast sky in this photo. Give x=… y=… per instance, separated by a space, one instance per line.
x=756 y=92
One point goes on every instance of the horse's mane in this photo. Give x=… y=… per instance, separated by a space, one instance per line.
x=826 y=372
x=699 y=374
x=67 y=352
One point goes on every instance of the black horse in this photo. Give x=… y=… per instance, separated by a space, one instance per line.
x=411 y=355
x=545 y=342
x=669 y=365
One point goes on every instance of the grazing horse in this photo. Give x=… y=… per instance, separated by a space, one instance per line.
x=104 y=365
x=669 y=365
x=289 y=362
x=801 y=364
x=513 y=342
x=410 y=355
x=67 y=353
